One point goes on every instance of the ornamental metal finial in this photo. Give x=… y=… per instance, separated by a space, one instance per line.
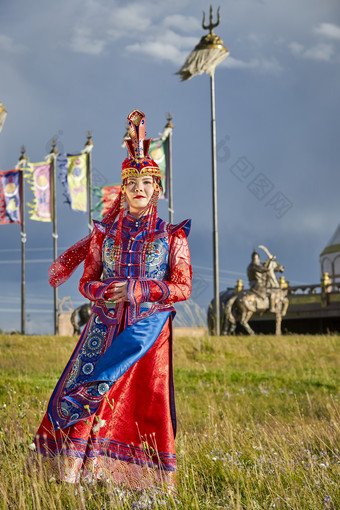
x=53 y=146
x=211 y=25
x=89 y=138
x=126 y=135
x=169 y=118
x=22 y=154
x=207 y=54
x=211 y=40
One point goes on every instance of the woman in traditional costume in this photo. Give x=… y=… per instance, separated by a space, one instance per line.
x=112 y=413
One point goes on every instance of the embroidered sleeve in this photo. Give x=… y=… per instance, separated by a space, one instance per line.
x=178 y=288
x=90 y=284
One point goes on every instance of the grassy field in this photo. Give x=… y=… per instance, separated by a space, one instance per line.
x=259 y=425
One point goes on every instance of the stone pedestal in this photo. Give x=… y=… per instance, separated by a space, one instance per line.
x=65 y=326
x=193 y=332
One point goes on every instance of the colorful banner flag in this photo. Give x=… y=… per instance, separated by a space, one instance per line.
x=106 y=195
x=3 y=113
x=73 y=175
x=10 y=197
x=39 y=177
x=158 y=152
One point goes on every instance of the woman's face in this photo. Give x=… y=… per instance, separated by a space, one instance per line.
x=139 y=190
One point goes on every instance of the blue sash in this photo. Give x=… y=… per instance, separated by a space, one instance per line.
x=126 y=349
x=129 y=347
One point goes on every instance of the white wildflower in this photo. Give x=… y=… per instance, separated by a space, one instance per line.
x=100 y=423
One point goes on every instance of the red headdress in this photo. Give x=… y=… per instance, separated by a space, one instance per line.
x=137 y=164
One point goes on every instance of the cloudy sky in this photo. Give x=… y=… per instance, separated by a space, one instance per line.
x=74 y=65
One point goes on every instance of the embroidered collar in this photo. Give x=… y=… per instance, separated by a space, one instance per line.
x=132 y=223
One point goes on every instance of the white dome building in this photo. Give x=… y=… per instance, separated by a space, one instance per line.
x=330 y=257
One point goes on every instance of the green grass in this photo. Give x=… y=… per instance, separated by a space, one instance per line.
x=259 y=425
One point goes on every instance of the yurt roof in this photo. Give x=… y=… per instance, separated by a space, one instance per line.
x=333 y=244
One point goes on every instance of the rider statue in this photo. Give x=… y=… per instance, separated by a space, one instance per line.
x=261 y=281
x=265 y=294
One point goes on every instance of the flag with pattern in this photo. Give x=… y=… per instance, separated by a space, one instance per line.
x=10 y=196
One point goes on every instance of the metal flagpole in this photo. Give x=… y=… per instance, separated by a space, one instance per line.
x=214 y=200
x=168 y=133
x=21 y=164
x=207 y=54
x=88 y=150
x=53 y=157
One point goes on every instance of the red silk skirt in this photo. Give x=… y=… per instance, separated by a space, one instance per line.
x=130 y=439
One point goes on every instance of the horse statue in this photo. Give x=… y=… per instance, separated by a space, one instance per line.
x=224 y=298
x=264 y=295
x=80 y=316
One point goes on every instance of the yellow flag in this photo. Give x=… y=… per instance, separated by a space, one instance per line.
x=77 y=181
x=3 y=114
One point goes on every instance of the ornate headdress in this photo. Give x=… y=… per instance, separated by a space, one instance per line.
x=137 y=164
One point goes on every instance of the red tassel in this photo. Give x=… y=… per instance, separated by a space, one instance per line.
x=112 y=214
x=153 y=218
x=117 y=243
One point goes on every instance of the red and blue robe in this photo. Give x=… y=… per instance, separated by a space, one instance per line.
x=112 y=414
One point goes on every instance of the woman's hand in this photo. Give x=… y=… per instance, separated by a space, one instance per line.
x=117 y=292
